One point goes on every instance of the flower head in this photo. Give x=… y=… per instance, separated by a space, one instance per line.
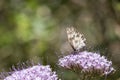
x=87 y=62
x=37 y=72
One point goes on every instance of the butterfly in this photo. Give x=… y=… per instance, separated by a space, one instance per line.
x=76 y=40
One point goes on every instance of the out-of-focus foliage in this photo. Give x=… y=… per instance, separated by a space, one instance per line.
x=30 y=28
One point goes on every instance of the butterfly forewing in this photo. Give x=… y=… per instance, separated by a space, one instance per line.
x=76 y=40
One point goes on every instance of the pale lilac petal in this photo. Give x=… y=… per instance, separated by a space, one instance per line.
x=87 y=61
x=37 y=72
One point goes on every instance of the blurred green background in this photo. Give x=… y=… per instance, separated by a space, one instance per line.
x=35 y=29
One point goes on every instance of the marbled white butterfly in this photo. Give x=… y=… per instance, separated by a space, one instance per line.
x=76 y=40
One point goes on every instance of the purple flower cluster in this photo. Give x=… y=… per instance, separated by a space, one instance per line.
x=87 y=62
x=37 y=72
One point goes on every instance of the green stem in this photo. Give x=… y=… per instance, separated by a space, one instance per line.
x=105 y=77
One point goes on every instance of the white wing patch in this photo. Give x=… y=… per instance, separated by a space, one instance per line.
x=76 y=40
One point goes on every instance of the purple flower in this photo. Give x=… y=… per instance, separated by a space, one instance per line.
x=37 y=72
x=87 y=62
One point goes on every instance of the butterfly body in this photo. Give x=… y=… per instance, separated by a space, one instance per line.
x=76 y=40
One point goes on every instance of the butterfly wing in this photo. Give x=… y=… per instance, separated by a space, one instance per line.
x=76 y=40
